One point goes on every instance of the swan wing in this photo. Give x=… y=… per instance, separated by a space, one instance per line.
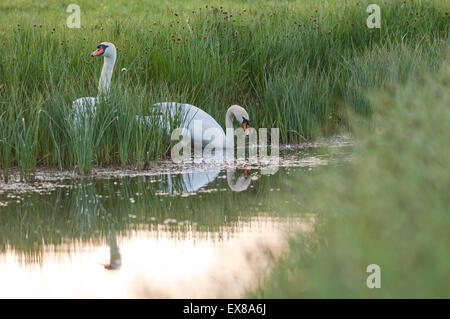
x=189 y=115
x=82 y=107
x=83 y=104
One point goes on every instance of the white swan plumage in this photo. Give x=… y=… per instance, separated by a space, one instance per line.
x=109 y=53
x=189 y=114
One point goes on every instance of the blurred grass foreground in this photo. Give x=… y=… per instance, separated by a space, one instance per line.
x=390 y=206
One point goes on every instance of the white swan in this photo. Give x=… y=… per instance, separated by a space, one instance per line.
x=191 y=115
x=109 y=53
x=188 y=114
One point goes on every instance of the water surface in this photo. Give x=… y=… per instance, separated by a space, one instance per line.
x=183 y=232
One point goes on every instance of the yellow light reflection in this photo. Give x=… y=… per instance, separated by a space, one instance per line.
x=155 y=262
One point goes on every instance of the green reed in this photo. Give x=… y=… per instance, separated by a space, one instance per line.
x=302 y=67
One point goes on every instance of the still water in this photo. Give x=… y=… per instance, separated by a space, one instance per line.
x=169 y=232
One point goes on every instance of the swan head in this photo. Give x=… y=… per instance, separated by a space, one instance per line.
x=106 y=49
x=245 y=124
x=241 y=116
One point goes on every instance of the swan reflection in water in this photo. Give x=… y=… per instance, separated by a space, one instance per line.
x=190 y=183
x=115 y=259
x=238 y=184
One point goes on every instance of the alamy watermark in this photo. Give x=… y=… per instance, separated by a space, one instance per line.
x=374 y=18
x=374 y=279
x=214 y=145
x=74 y=20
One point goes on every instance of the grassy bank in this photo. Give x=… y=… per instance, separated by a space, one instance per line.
x=301 y=66
x=389 y=206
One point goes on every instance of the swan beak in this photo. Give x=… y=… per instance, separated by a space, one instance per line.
x=245 y=126
x=98 y=52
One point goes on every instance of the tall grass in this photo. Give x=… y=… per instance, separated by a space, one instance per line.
x=389 y=206
x=299 y=66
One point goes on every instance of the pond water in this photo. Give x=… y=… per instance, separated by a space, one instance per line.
x=167 y=232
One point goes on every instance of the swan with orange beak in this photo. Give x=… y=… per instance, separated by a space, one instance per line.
x=189 y=113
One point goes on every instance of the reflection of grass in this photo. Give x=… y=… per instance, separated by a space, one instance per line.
x=390 y=207
x=297 y=65
x=91 y=209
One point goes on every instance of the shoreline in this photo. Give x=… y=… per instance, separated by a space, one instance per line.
x=166 y=166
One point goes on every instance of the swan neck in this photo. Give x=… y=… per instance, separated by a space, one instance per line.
x=105 y=78
x=237 y=111
x=229 y=118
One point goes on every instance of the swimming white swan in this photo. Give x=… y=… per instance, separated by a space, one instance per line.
x=189 y=114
